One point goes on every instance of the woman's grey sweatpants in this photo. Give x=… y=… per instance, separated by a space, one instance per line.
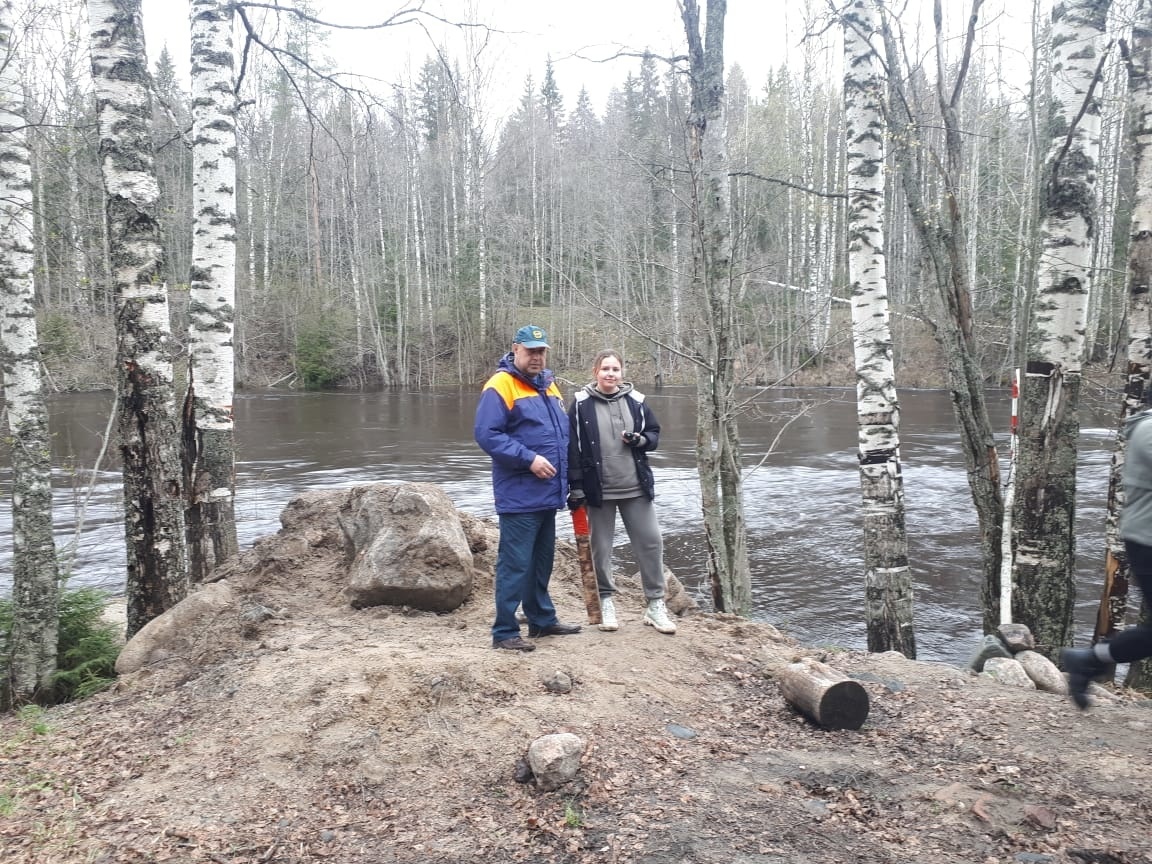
x=639 y=516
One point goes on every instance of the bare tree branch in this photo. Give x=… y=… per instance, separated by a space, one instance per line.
x=788 y=183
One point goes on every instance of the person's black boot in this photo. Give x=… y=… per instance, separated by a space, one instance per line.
x=1082 y=666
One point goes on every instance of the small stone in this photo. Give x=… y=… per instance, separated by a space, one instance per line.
x=556 y=681
x=327 y=836
x=816 y=808
x=1039 y=816
x=555 y=759
x=522 y=773
x=682 y=732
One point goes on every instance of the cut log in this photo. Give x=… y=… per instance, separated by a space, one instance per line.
x=825 y=696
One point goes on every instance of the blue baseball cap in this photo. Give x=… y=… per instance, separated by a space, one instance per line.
x=531 y=336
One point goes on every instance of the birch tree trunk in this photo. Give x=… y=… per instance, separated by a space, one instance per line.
x=941 y=232
x=1114 y=597
x=31 y=648
x=887 y=578
x=717 y=435
x=1045 y=502
x=209 y=452
x=157 y=576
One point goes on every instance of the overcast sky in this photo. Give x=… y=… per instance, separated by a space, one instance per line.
x=758 y=35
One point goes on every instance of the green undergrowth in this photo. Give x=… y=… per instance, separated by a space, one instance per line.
x=87 y=646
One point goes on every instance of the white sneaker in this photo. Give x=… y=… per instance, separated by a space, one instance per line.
x=608 y=620
x=657 y=615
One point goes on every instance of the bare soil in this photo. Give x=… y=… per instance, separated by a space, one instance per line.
x=325 y=733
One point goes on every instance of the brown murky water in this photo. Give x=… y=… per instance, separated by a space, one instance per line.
x=802 y=500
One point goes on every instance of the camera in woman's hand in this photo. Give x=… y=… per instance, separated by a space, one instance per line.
x=632 y=438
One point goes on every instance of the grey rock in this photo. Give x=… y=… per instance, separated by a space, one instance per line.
x=406 y=546
x=555 y=759
x=816 y=807
x=990 y=646
x=678 y=601
x=1016 y=637
x=557 y=681
x=522 y=773
x=1043 y=672
x=255 y=613
x=682 y=732
x=1008 y=671
x=891 y=684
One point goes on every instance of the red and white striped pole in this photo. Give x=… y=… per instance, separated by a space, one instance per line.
x=1009 y=498
x=1015 y=406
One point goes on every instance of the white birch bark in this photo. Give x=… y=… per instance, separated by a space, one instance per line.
x=157 y=575
x=1113 y=123
x=1045 y=505
x=209 y=426
x=887 y=578
x=31 y=648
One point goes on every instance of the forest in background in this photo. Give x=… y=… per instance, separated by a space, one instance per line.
x=396 y=237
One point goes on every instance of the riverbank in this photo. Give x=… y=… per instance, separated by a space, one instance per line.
x=298 y=729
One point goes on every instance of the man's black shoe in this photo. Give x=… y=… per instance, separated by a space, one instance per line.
x=556 y=629
x=1082 y=666
x=514 y=643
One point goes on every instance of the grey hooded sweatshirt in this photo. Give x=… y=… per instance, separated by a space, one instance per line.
x=1136 y=517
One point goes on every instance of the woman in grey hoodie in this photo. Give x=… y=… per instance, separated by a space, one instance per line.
x=612 y=432
x=1135 y=643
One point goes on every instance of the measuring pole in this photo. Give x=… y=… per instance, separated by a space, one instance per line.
x=1009 y=497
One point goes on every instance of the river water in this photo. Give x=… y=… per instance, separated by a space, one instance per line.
x=802 y=499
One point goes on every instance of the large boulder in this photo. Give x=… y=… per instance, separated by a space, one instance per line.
x=1043 y=672
x=175 y=634
x=1008 y=671
x=406 y=547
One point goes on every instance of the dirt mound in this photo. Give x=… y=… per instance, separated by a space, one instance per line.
x=299 y=729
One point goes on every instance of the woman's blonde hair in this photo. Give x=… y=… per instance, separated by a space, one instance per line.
x=605 y=354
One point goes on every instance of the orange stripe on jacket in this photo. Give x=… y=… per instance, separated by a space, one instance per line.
x=512 y=388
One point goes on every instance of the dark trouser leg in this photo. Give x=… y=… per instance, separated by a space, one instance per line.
x=537 y=603
x=1135 y=643
x=513 y=570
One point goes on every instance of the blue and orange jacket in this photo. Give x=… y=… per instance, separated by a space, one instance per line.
x=517 y=419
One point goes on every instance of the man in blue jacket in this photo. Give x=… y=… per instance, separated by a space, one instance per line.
x=522 y=424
